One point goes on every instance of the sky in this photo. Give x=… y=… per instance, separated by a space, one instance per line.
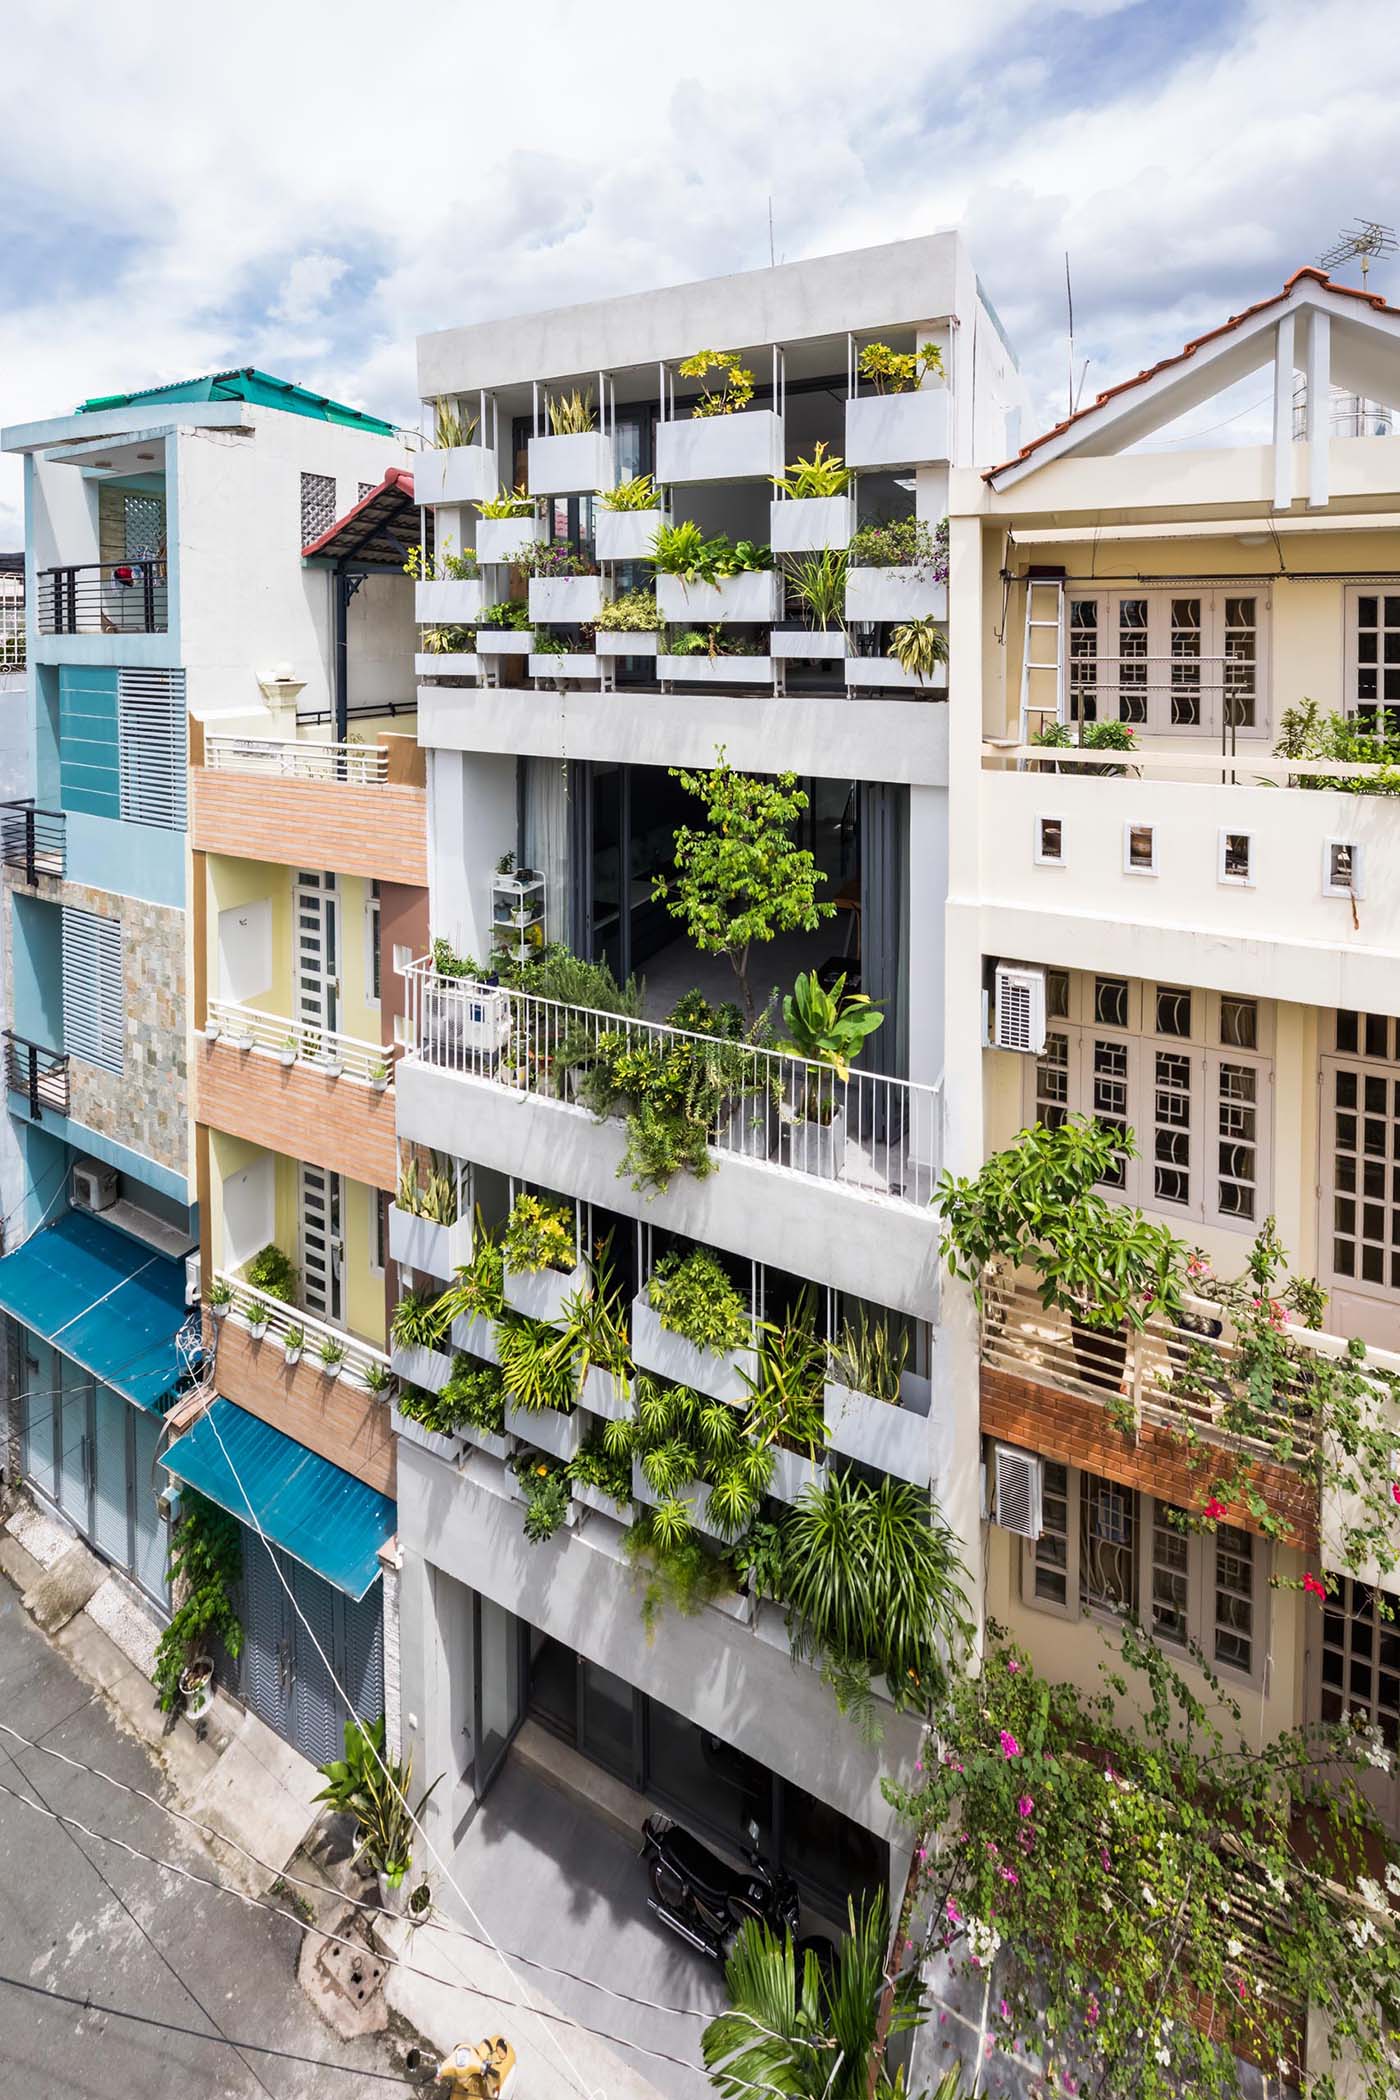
x=306 y=187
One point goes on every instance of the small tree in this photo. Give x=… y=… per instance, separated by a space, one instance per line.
x=743 y=878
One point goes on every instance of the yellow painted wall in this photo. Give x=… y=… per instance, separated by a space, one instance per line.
x=233 y=883
x=364 y=1285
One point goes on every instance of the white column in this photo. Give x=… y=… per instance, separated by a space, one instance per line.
x=1283 y=414
x=1319 y=407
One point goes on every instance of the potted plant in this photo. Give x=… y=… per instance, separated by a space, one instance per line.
x=332 y=1355
x=542 y=1484
x=417 y=1332
x=379 y=1076
x=691 y=1326
x=827 y=1029
x=331 y=1060
x=287 y=1055
x=206 y=1567
x=723 y=439
x=211 y=1030
x=293 y=1342
x=372 y=1788
x=876 y=1410
x=919 y=647
x=418 y=1907
x=626 y=518
x=197 y=1686
x=902 y=421
x=376 y=1377
x=220 y=1298
x=818 y=512
x=540 y=1250
x=255 y=1313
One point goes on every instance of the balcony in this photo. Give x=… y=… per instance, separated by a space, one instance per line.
x=39 y=1075
x=330 y=1409
x=360 y=809
x=104 y=597
x=33 y=841
x=307 y=1093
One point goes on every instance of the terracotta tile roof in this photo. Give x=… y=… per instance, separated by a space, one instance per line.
x=1125 y=386
x=387 y=500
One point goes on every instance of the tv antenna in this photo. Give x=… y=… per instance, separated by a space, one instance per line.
x=1369 y=241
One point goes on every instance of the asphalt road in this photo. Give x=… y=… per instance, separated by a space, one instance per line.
x=82 y=1918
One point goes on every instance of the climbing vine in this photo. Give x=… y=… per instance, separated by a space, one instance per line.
x=206 y=1566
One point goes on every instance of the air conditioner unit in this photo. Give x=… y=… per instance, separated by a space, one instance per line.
x=192 y=1279
x=1020 y=1009
x=168 y=1503
x=94 y=1185
x=1017 y=1480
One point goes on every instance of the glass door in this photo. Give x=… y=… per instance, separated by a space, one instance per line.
x=609 y=1722
x=500 y=1705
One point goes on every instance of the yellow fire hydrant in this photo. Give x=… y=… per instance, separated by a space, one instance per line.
x=479 y=2070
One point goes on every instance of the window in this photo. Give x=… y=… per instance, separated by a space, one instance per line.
x=1050 y=842
x=1236 y=851
x=1373 y=653
x=1360 y=1663
x=1139 y=849
x=1164 y=660
x=152 y=747
x=1360 y=1227
x=1342 y=869
x=378 y=1229
x=366 y=488
x=1179 y=1067
x=94 y=990
x=372 y=944
x=317 y=506
x=1108 y=1550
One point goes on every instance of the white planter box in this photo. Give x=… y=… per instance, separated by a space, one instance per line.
x=815 y=1148
x=476 y=1337
x=540 y=1293
x=826 y=644
x=572 y=465
x=894 y=594
x=735 y=1604
x=770 y=1624
x=885 y=671
x=716 y=670
x=743 y=447
x=594 y=1498
x=692 y=1499
x=428 y=1369
x=625 y=535
x=894 y=1439
x=561 y=598
x=898 y=430
x=503 y=641
x=752 y=595
x=571 y=664
x=465 y=474
x=449 y=663
x=679 y=1362
x=505 y=539
x=792 y=1474
x=809 y=524
x=449 y=604
x=603 y=1395
x=545 y=1429
x=612 y=642
x=447 y=1448
x=487 y=1440
x=438 y=1250
x=515 y=1493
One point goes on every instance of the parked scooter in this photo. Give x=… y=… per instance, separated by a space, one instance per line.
x=705 y=1901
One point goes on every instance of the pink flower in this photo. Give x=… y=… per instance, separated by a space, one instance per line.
x=1091 y=2012
x=1005 y=2010
x=1009 y=1745
x=952 y=1913
x=1012 y=1665
x=919 y=1766
x=1009 y=1874
x=1215 y=1508
x=1395 y=1491
x=1313 y=1587
x=1025 y=1805
x=1240 y=1988
x=922 y=1854
x=1104 y=1859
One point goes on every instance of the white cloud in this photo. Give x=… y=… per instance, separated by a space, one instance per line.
x=307 y=287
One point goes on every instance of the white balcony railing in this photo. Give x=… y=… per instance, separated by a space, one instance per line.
x=297 y=1042
x=357 y=1355
x=874 y=1133
x=357 y=765
x=1157 y=761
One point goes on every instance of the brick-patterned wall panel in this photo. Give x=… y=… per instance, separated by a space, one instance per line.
x=337 y=1421
x=340 y=1124
x=403 y=923
x=1076 y=1432
x=367 y=831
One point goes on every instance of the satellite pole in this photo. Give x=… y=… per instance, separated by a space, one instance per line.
x=772 y=259
x=1367 y=241
x=1069 y=302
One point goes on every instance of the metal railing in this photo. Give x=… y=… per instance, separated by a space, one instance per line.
x=1160 y=762
x=40 y=1075
x=34 y=840
x=104 y=597
x=360 y=765
x=280 y=1317
x=299 y=1042
x=874 y=1133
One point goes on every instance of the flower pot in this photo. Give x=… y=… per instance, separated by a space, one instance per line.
x=220 y=1312
x=604 y=1394
x=559 y=598
x=429 y=1369
x=488 y=1440
x=197 y=1686
x=752 y=595
x=505 y=539
x=810 y=524
x=573 y=463
x=717 y=1373
x=442 y=1444
x=894 y=594
x=693 y=1499
x=897 y=430
x=331 y=1370
x=420 y=1243
x=455 y=602
x=567 y=663
x=257 y=1328
x=540 y=1293
x=811 y=1147
x=455 y=474
x=393 y=1895
x=882 y=672
x=212 y=1031
x=476 y=1336
x=715 y=670
x=286 y=1058
x=813 y=644
x=545 y=1429
x=617 y=641
x=292 y=1352
x=597 y=1499
x=503 y=641
x=625 y=535
x=380 y=1083
x=734 y=1604
x=1100 y=1353
x=894 y=1439
x=793 y=1473
x=746 y=446
x=749 y=1126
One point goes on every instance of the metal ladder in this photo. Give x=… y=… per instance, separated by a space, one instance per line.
x=1035 y=709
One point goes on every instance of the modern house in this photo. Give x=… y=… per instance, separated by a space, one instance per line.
x=557 y=707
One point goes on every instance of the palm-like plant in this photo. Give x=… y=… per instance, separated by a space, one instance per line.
x=829 y=1027
x=919 y=646
x=792 y=2029
x=818 y=583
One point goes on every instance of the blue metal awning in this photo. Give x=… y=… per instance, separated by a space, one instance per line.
x=328 y=1520
x=111 y=1303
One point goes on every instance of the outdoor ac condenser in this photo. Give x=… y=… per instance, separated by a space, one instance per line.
x=94 y=1185
x=1017 y=1480
x=1020 y=1009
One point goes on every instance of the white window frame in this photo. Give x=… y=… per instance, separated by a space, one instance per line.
x=1134 y=867
x=373 y=956
x=1107 y=684
x=1357 y=886
x=403 y=958
x=1363 y=1067
x=1042 y=858
x=1202 y=1573
x=1352 y=702
x=1222 y=868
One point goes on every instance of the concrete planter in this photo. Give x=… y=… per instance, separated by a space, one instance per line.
x=476 y=1337
x=894 y=1439
x=570 y=663
x=752 y=595
x=515 y=1493
x=447 y=663
x=750 y=1127
x=603 y=1395
x=716 y=670
x=463 y=474
x=735 y=1604
x=815 y=1148
x=792 y=1474
x=615 y=642
x=503 y=641
x=594 y=1498
x=770 y=1624
x=437 y=1250
x=561 y=598
x=428 y=1369
x=692 y=1499
x=743 y=447
x=894 y=594
x=882 y=672
x=625 y=535
x=825 y=644
x=447 y=1448
x=540 y=1293
x=898 y=430
x=570 y=465
x=669 y=1356
x=452 y=603
x=487 y=1440
x=505 y=539
x=810 y=524
x=545 y=1429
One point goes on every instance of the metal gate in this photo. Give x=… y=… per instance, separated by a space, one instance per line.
x=285 y=1680
x=322 y=1244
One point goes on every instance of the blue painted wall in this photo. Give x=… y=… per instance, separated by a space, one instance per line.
x=130 y=860
x=37 y=952
x=89 y=777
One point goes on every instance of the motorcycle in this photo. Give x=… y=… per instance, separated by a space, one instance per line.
x=706 y=1902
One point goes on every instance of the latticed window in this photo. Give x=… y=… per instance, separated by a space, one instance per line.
x=367 y=488
x=1360 y=1663
x=1373 y=671
x=317 y=506
x=1166 y=661
x=1361 y=1143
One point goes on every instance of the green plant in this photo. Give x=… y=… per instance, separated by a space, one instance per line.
x=420 y=1320
x=544 y=1485
x=683 y=550
x=692 y=1296
x=786 y=1395
x=451 y=428
x=331 y=1353
x=822 y=475
x=736 y=391
x=1306 y=733
x=373 y=1787
x=510 y=503
x=570 y=415
x=743 y=878
x=429 y=1192
x=446 y=568
x=538 y=1364
x=546 y=558
x=593 y=1465
x=818 y=583
x=596 y=1322
x=710 y=641
x=898 y=371
x=206 y=1567
x=543 y=643
x=293 y=1337
x=539 y=1235
x=632 y=612
x=219 y=1293
x=828 y=1027
x=478 y=1290
x=448 y=641
x=377 y=1378
x=639 y=493
x=1106 y=735
x=448 y=963
x=670 y=1093
x=919 y=646
x=868 y=1358
x=271 y=1272
x=475 y=1393
x=902 y=543
x=678 y=1572
x=513 y=614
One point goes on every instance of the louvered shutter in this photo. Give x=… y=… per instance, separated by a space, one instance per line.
x=263 y=1616
x=363 y=1676
x=94 y=990
x=152 y=747
x=317 y=1727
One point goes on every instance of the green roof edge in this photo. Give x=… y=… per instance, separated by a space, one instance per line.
x=246 y=383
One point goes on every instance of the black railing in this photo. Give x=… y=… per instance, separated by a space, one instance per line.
x=40 y=1075
x=32 y=840
x=104 y=597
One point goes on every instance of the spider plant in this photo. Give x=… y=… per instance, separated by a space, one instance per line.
x=818 y=583
x=919 y=646
x=538 y=1366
